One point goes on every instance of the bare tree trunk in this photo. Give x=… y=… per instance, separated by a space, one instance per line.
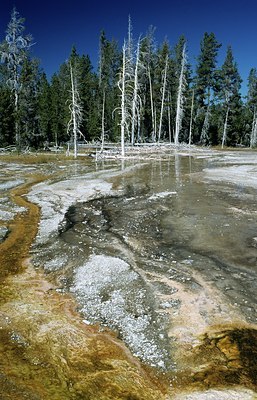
x=135 y=97
x=17 y=130
x=224 y=136
x=204 y=134
x=138 y=128
x=163 y=97
x=253 y=139
x=123 y=107
x=152 y=106
x=169 y=118
x=74 y=117
x=204 y=138
x=180 y=98
x=191 y=119
x=103 y=119
x=130 y=42
x=155 y=123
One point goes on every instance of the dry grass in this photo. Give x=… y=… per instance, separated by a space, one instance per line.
x=33 y=158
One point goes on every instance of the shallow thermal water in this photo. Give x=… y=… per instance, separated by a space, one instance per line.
x=156 y=250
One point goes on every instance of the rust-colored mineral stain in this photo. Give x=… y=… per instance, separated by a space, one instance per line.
x=226 y=357
x=22 y=229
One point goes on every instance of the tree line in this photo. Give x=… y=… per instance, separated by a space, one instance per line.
x=140 y=93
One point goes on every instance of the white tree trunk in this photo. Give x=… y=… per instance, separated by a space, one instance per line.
x=123 y=106
x=169 y=118
x=163 y=96
x=152 y=106
x=191 y=119
x=76 y=114
x=138 y=127
x=74 y=117
x=224 y=136
x=103 y=120
x=253 y=139
x=180 y=98
x=130 y=42
x=135 y=97
x=204 y=138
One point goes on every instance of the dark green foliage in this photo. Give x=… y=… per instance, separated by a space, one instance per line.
x=28 y=117
x=205 y=71
x=229 y=84
x=7 y=126
x=108 y=72
x=44 y=109
x=59 y=112
x=252 y=89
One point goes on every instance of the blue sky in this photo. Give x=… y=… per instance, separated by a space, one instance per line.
x=56 y=26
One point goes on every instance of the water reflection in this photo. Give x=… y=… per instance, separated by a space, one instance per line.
x=193 y=254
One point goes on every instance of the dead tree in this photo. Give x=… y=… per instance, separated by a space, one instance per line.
x=191 y=119
x=163 y=95
x=14 y=52
x=204 y=138
x=76 y=113
x=224 y=136
x=180 y=97
x=136 y=100
x=124 y=85
x=253 y=139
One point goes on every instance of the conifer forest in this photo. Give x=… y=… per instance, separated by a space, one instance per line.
x=139 y=92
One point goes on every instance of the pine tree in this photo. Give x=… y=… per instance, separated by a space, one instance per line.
x=89 y=96
x=229 y=92
x=205 y=83
x=148 y=60
x=59 y=112
x=109 y=65
x=44 y=110
x=28 y=116
x=7 y=126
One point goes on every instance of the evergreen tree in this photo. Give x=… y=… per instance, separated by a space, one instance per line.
x=88 y=90
x=229 y=92
x=44 y=109
x=7 y=126
x=205 y=82
x=252 y=89
x=205 y=71
x=59 y=112
x=148 y=60
x=28 y=117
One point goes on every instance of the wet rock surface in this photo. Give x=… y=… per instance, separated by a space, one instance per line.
x=149 y=225
x=163 y=259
